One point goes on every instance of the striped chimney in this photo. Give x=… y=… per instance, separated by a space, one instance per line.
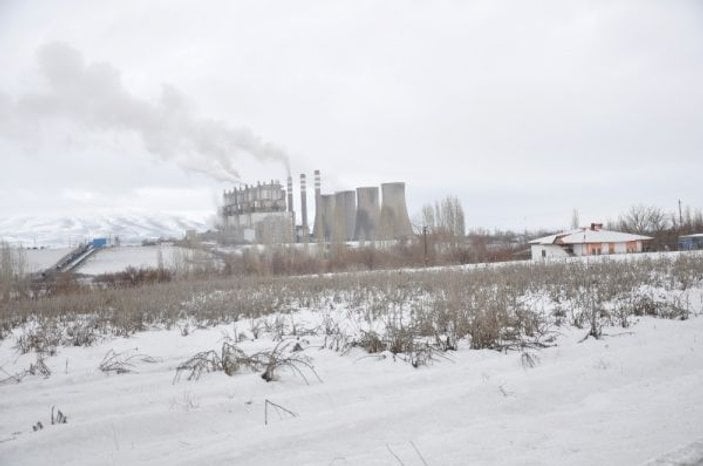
x=318 y=227
x=304 y=202
x=290 y=197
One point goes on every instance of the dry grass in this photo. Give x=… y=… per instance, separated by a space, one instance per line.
x=123 y=362
x=422 y=312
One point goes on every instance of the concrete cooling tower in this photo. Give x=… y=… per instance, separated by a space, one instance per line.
x=360 y=215
x=326 y=209
x=344 y=215
x=368 y=214
x=395 y=222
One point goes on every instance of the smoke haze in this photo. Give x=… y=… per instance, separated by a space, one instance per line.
x=93 y=96
x=523 y=111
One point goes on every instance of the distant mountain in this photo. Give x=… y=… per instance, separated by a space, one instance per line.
x=131 y=228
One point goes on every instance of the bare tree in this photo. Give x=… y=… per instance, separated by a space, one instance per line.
x=445 y=223
x=428 y=217
x=13 y=271
x=643 y=219
x=446 y=218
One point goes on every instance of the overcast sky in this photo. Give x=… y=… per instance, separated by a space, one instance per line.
x=524 y=110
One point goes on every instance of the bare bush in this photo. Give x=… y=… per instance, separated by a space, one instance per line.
x=37 y=368
x=511 y=307
x=203 y=362
x=123 y=362
x=277 y=359
x=232 y=359
x=42 y=338
x=132 y=277
x=371 y=342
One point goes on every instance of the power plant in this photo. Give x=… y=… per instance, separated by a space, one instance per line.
x=265 y=213
x=257 y=214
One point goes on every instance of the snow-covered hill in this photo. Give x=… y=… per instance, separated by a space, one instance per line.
x=131 y=228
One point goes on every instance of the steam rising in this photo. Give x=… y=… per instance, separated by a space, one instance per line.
x=93 y=95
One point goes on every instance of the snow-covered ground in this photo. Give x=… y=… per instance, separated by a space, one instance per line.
x=112 y=259
x=117 y=259
x=628 y=398
x=618 y=257
x=41 y=259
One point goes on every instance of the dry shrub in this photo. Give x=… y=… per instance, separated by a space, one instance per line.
x=202 y=362
x=124 y=362
x=232 y=359
x=371 y=342
x=278 y=358
x=42 y=338
x=483 y=305
x=37 y=368
x=132 y=277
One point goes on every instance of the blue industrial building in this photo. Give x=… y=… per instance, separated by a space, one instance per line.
x=691 y=242
x=98 y=243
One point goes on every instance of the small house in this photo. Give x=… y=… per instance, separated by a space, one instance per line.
x=587 y=242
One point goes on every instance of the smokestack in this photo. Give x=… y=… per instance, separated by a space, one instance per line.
x=318 y=183
x=368 y=214
x=319 y=231
x=304 y=204
x=290 y=198
x=395 y=222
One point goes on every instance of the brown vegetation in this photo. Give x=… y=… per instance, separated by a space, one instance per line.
x=423 y=311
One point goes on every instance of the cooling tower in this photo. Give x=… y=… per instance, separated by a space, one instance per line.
x=368 y=214
x=327 y=218
x=395 y=223
x=304 y=203
x=344 y=215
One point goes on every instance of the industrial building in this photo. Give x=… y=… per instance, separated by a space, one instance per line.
x=265 y=213
x=691 y=242
x=257 y=214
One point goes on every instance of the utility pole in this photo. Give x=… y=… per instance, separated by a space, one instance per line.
x=424 y=238
x=680 y=216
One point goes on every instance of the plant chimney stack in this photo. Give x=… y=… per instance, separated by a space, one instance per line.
x=304 y=203
x=290 y=198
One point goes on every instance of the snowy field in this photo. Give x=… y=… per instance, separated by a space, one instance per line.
x=41 y=259
x=117 y=259
x=488 y=365
x=627 y=398
x=111 y=259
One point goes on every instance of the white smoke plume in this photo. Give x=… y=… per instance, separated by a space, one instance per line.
x=93 y=96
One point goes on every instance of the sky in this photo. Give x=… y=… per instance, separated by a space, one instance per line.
x=523 y=110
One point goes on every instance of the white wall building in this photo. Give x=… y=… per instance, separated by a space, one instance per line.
x=587 y=242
